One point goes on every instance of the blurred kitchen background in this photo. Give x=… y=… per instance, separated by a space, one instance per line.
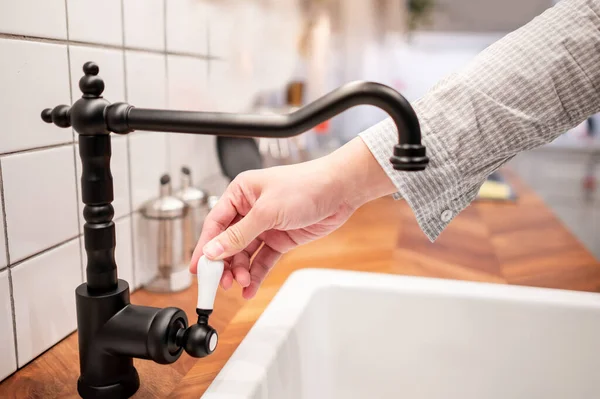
x=256 y=56
x=408 y=45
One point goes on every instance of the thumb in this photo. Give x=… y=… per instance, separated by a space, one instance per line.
x=237 y=236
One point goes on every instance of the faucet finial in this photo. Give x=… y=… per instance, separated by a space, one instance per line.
x=91 y=84
x=91 y=68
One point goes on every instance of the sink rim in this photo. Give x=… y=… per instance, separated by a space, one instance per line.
x=251 y=360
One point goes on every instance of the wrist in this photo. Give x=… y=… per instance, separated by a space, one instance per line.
x=358 y=173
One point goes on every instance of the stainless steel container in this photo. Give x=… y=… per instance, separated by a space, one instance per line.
x=197 y=203
x=165 y=216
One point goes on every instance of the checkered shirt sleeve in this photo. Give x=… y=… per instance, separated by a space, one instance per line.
x=521 y=92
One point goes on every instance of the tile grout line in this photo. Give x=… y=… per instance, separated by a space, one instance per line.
x=104 y=46
x=167 y=85
x=43 y=251
x=165 y=26
x=34 y=149
x=11 y=294
x=168 y=97
x=5 y=225
x=77 y=188
x=208 y=51
x=128 y=147
x=208 y=36
x=122 y=217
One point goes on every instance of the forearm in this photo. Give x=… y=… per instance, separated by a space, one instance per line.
x=359 y=175
x=520 y=93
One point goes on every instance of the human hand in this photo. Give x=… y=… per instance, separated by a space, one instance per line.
x=266 y=213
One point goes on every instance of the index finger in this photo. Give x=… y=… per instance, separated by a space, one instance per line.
x=216 y=222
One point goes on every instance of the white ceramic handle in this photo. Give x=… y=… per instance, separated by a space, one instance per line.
x=209 y=275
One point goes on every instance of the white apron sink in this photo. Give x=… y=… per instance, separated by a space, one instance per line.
x=338 y=334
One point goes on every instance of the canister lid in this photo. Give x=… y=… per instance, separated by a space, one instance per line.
x=192 y=196
x=166 y=206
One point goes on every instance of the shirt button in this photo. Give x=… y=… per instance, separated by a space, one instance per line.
x=447 y=215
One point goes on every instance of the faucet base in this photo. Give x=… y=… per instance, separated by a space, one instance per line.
x=112 y=332
x=103 y=374
x=124 y=389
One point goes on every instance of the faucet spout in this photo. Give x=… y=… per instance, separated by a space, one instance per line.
x=409 y=154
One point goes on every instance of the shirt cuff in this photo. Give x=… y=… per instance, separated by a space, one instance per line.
x=437 y=194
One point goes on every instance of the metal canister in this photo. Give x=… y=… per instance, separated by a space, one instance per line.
x=167 y=213
x=197 y=201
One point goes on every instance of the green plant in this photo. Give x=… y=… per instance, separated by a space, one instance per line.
x=419 y=12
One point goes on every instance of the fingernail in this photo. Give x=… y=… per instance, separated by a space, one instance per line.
x=213 y=249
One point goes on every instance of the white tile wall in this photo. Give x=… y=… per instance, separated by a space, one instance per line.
x=36 y=76
x=40 y=199
x=209 y=161
x=8 y=362
x=197 y=152
x=187 y=26
x=188 y=90
x=111 y=70
x=44 y=293
x=144 y=24
x=95 y=21
x=222 y=29
x=188 y=83
x=148 y=163
x=41 y=18
x=135 y=43
x=146 y=79
x=230 y=88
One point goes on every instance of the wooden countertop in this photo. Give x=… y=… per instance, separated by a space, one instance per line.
x=521 y=243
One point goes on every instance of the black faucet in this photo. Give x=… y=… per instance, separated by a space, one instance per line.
x=111 y=330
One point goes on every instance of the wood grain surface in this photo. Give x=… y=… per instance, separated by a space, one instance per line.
x=520 y=243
